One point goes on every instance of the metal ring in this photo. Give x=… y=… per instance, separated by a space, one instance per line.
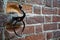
x=21 y=31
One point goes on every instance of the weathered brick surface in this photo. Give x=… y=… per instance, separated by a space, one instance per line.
x=58 y=11
x=56 y=34
x=36 y=2
x=27 y=8
x=49 y=35
x=38 y=28
x=56 y=19
x=50 y=27
x=37 y=10
x=47 y=19
x=48 y=3
x=28 y=30
x=36 y=37
x=56 y=3
x=46 y=16
x=34 y=20
x=21 y=39
x=46 y=10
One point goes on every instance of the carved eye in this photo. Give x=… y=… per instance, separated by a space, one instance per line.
x=13 y=14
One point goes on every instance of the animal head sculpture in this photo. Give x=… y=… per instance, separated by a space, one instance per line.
x=14 y=10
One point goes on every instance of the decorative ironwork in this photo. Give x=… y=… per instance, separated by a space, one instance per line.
x=11 y=19
x=14 y=19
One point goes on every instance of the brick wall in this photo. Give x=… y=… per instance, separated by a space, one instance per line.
x=42 y=20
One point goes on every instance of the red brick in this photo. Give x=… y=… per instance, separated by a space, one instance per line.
x=28 y=30
x=38 y=28
x=50 y=27
x=49 y=10
x=56 y=34
x=27 y=8
x=29 y=1
x=20 y=39
x=37 y=10
x=36 y=37
x=49 y=35
x=56 y=3
x=47 y=18
x=34 y=20
x=36 y=1
x=56 y=19
x=48 y=3
x=58 y=11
